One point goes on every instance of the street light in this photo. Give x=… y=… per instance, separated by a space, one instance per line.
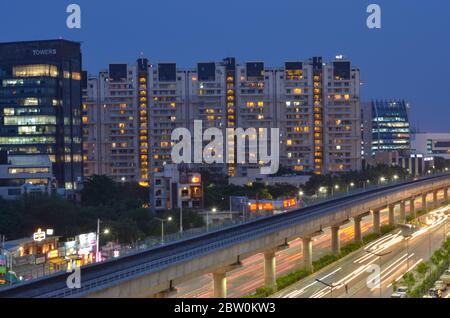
x=351 y=185
x=379 y=264
x=429 y=237
x=382 y=179
x=97 y=243
x=336 y=187
x=366 y=183
x=331 y=286
x=323 y=190
x=181 y=208
x=169 y=219
x=396 y=177
x=213 y=210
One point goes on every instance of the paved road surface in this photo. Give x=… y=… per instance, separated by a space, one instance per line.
x=349 y=276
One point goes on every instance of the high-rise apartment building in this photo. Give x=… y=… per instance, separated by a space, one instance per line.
x=40 y=105
x=315 y=105
x=386 y=127
x=115 y=119
x=319 y=116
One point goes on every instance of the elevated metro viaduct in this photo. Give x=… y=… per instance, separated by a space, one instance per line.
x=157 y=271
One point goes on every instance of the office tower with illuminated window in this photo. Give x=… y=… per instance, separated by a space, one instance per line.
x=40 y=105
x=386 y=127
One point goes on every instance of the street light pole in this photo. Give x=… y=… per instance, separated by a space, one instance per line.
x=429 y=239
x=380 y=265
x=331 y=286
x=162 y=227
x=162 y=232
x=97 y=243
x=181 y=217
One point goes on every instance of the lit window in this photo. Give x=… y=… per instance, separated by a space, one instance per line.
x=76 y=76
x=35 y=70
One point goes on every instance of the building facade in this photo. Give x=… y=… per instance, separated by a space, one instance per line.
x=40 y=105
x=431 y=144
x=131 y=111
x=115 y=122
x=386 y=127
x=21 y=175
x=176 y=187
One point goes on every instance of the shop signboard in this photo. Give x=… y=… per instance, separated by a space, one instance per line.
x=71 y=248
x=40 y=260
x=87 y=243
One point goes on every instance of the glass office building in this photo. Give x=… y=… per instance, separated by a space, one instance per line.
x=390 y=127
x=40 y=105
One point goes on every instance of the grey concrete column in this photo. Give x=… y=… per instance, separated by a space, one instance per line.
x=376 y=221
x=446 y=194
x=335 y=240
x=220 y=285
x=424 y=202
x=391 y=214
x=435 y=199
x=358 y=233
x=270 y=267
x=412 y=207
x=402 y=212
x=307 y=253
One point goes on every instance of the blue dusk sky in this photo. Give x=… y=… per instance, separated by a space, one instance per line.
x=409 y=57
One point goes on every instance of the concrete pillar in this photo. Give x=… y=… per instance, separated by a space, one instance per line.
x=391 y=214
x=270 y=266
x=412 y=207
x=220 y=285
x=402 y=212
x=358 y=233
x=424 y=202
x=446 y=194
x=376 y=222
x=435 y=199
x=307 y=253
x=335 y=240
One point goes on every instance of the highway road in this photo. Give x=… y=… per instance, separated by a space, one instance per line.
x=349 y=276
x=245 y=280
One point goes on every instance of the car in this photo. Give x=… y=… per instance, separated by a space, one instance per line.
x=446 y=277
x=398 y=295
x=440 y=285
x=402 y=290
x=433 y=293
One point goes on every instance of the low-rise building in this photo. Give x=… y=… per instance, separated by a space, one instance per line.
x=177 y=187
x=21 y=175
x=431 y=144
x=415 y=164
x=253 y=176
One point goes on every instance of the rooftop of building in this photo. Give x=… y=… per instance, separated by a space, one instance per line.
x=41 y=42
